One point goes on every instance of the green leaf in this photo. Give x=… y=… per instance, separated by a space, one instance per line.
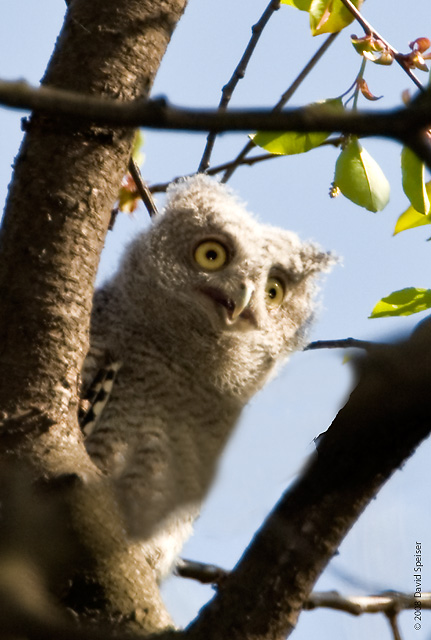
x=303 y=5
x=128 y=196
x=403 y=303
x=326 y=16
x=286 y=144
x=330 y=16
x=413 y=173
x=137 y=154
x=359 y=177
x=411 y=218
x=282 y=143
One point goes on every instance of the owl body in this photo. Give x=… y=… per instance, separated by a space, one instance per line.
x=205 y=306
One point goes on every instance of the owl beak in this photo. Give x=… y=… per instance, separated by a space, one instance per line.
x=241 y=299
x=236 y=304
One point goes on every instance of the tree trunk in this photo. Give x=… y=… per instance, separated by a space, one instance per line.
x=66 y=180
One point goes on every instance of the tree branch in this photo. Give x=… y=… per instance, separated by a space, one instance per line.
x=143 y=190
x=345 y=343
x=158 y=114
x=237 y=75
x=358 y=605
x=305 y=529
x=355 y=605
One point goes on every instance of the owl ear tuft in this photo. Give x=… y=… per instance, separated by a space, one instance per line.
x=314 y=260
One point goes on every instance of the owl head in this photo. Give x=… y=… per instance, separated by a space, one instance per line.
x=221 y=281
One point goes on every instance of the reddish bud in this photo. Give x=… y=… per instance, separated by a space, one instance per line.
x=420 y=44
x=363 y=87
x=414 y=60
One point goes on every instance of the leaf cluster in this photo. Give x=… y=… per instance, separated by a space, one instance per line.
x=357 y=175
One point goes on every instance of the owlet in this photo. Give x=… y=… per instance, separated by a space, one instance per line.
x=204 y=307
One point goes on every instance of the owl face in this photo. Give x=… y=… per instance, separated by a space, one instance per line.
x=236 y=299
x=234 y=281
x=210 y=259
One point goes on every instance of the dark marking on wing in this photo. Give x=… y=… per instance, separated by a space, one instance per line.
x=97 y=396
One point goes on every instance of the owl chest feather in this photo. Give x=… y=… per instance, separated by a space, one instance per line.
x=160 y=438
x=193 y=420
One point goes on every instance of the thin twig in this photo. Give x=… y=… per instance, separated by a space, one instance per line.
x=369 y=30
x=162 y=186
x=304 y=73
x=201 y=572
x=239 y=160
x=387 y=603
x=393 y=623
x=237 y=75
x=345 y=343
x=142 y=188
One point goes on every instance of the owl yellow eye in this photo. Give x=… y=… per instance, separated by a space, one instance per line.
x=274 y=291
x=210 y=255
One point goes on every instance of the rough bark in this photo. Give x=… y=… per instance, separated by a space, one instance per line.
x=65 y=182
x=385 y=419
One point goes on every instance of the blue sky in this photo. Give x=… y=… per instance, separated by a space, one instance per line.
x=278 y=427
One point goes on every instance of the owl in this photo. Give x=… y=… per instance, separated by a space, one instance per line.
x=204 y=308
